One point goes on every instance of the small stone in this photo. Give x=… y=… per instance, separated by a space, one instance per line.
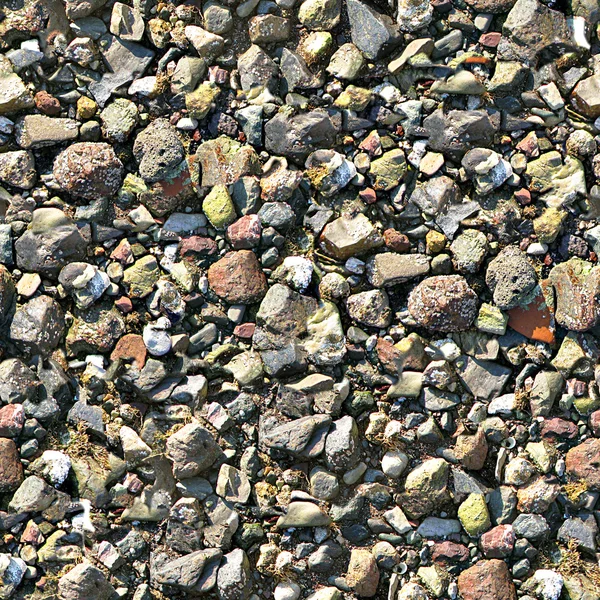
x=474 y=515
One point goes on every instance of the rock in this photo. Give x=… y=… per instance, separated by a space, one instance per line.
x=469 y=250
x=388 y=171
x=434 y=195
x=489 y=579
x=443 y=303
x=233 y=485
x=18 y=169
x=84 y=581
x=38 y=326
x=462 y=82
x=303 y=514
x=85 y=282
x=425 y=487
x=257 y=69
x=12 y=571
x=546 y=389
x=234 y=579
x=297 y=136
x=363 y=573
x=388 y=269
x=224 y=161
x=511 y=278
x=158 y=150
x=95 y=329
x=582 y=461
x=530 y=29
x=294 y=437
x=413 y=15
x=559 y=183
x=12 y=416
x=508 y=76
x=545 y=584
x=342 y=449
x=201 y=101
x=320 y=15
x=577 y=287
x=193 y=450
x=88 y=170
x=53 y=466
x=208 y=45
x=473 y=515
x=126 y=22
x=346 y=63
x=268 y=29
x=238 y=278
x=329 y=171
x=346 y=237
x=579 y=531
x=141 y=277
x=487 y=169
x=51 y=241
x=14 y=95
x=18 y=384
x=33 y=495
x=370 y=308
x=373 y=33
x=11 y=470
x=38 y=131
x=586 y=97
x=394 y=463
x=456 y=132
x=218 y=207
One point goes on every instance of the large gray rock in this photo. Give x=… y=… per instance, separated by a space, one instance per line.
x=51 y=241
x=295 y=436
x=193 y=450
x=257 y=69
x=455 y=132
x=38 y=326
x=89 y=170
x=374 y=33
x=188 y=572
x=389 y=268
x=158 y=150
x=511 y=278
x=297 y=136
x=342 y=447
x=234 y=580
x=531 y=30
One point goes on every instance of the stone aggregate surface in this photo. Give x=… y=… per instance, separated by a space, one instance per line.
x=299 y=299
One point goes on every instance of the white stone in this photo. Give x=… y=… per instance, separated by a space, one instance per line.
x=157 y=341
x=397 y=519
x=286 y=590
x=551 y=96
x=56 y=466
x=502 y=405
x=394 y=463
x=549 y=584
x=185 y=222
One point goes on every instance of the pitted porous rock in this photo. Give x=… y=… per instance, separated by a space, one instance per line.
x=511 y=278
x=443 y=303
x=158 y=150
x=89 y=170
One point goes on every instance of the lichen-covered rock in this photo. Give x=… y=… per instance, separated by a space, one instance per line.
x=89 y=170
x=443 y=303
